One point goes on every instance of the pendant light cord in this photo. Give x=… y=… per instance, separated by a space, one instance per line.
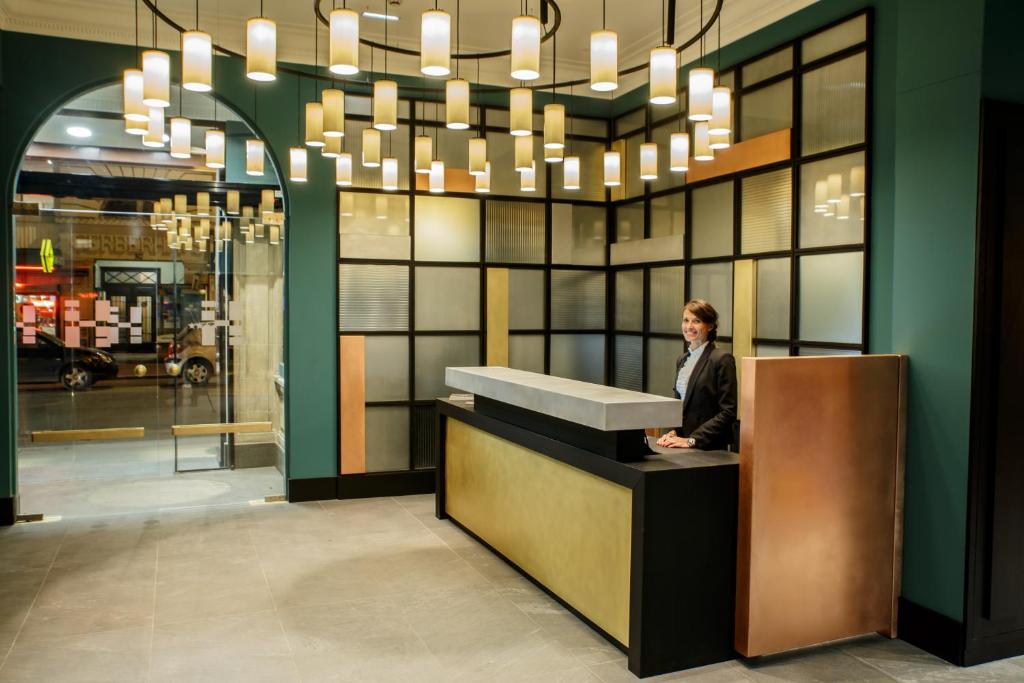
x=197 y=15
x=458 y=33
x=385 y=39
x=604 y=14
x=137 y=54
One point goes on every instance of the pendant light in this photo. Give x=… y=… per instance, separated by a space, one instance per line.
x=371 y=147
x=483 y=180
x=232 y=202
x=477 y=156
x=136 y=127
x=701 y=142
x=181 y=138
x=436 y=177
x=254 y=157
x=261 y=48
x=523 y=152
x=528 y=178
x=297 y=159
x=135 y=110
x=202 y=203
x=331 y=148
x=843 y=208
x=435 y=42
x=648 y=161
x=604 y=56
x=820 y=196
x=701 y=86
x=380 y=205
x=662 y=73
x=154 y=136
x=267 y=200
x=314 y=124
x=457 y=104
x=554 y=155
x=347 y=204
x=215 y=148
x=180 y=204
x=424 y=153
x=721 y=106
x=571 y=173
x=156 y=78
x=521 y=111
x=167 y=206
x=333 y=102
x=554 y=126
x=389 y=173
x=275 y=235
x=225 y=231
x=385 y=105
x=857 y=181
x=196 y=59
x=719 y=141
x=835 y=187
x=612 y=169
x=525 y=48
x=343 y=170
x=344 y=51
x=679 y=152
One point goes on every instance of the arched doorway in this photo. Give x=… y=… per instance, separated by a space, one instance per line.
x=149 y=299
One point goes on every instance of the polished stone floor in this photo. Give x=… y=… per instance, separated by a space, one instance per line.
x=369 y=590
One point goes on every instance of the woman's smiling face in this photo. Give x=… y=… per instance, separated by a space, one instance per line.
x=694 y=330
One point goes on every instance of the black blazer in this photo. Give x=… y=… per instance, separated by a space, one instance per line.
x=709 y=409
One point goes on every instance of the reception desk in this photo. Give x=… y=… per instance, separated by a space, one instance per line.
x=641 y=548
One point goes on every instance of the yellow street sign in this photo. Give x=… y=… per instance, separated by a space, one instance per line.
x=46 y=255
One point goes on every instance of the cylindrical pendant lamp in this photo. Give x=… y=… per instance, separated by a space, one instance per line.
x=554 y=155
x=424 y=153
x=554 y=126
x=648 y=161
x=436 y=177
x=225 y=231
x=180 y=204
x=275 y=234
x=526 y=48
x=202 y=203
x=371 y=147
x=843 y=208
x=135 y=110
x=314 y=124
x=196 y=61
x=528 y=179
x=719 y=141
x=524 y=152
x=166 y=205
x=612 y=169
x=571 y=173
x=380 y=205
x=344 y=57
x=604 y=60
x=261 y=49
x=702 y=82
x=343 y=170
x=154 y=136
x=267 y=200
x=679 y=152
x=385 y=105
x=156 y=78
x=136 y=127
x=835 y=187
x=663 y=75
x=483 y=180
x=254 y=157
x=334 y=112
x=435 y=43
x=721 y=108
x=820 y=196
x=331 y=148
x=233 y=200
x=215 y=148
x=456 y=103
x=857 y=181
x=389 y=173
x=702 y=142
x=297 y=164
x=477 y=156
x=181 y=138
x=520 y=102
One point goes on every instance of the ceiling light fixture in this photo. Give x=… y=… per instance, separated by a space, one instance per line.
x=78 y=131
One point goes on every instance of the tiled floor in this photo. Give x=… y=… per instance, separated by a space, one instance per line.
x=371 y=590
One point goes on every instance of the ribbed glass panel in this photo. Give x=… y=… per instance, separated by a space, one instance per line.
x=668 y=215
x=629 y=222
x=629 y=122
x=504 y=177
x=387 y=438
x=662 y=136
x=822 y=229
x=526 y=352
x=591 y=156
x=447 y=298
x=767 y=109
x=713 y=283
x=629 y=300
x=662 y=355
x=387 y=368
x=834 y=105
x=767 y=212
x=447 y=229
x=372 y=297
x=578 y=356
x=773 y=279
x=424 y=437
x=835 y=39
x=434 y=354
x=766 y=67
x=577 y=300
x=629 y=362
x=770 y=351
x=515 y=232
x=831 y=297
x=712 y=220
x=634 y=187
x=578 y=234
x=525 y=299
x=373 y=225
x=667 y=299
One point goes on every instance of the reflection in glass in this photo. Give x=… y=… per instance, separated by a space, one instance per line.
x=373 y=225
x=578 y=356
x=820 y=228
x=629 y=222
x=668 y=215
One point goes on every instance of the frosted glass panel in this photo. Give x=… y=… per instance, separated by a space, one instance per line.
x=629 y=362
x=434 y=354
x=387 y=438
x=373 y=225
x=713 y=283
x=447 y=229
x=667 y=299
x=525 y=299
x=526 y=352
x=769 y=351
x=387 y=368
x=629 y=300
x=820 y=351
x=767 y=211
x=773 y=277
x=712 y=221
x=835 y=39
x=591 y=156
x=766 y=67
x=662 y=355
x=577 y=300
x=372 y=297
x=447 y=298
x=629 y=222
x=578 y=234
x=827 y=228
x=831 y=296
x=834 y=105
x=668 y=215
x=515 y=232
x=767 y=109
x=578 y=356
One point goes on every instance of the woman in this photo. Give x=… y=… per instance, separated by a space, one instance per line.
x=705 y=382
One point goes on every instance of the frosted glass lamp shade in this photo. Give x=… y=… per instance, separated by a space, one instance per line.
x=196 y=61
x=233 y=200
x=314 y=124
x=435 y=43
x=612 y=169
x=225 y=231
x=482 y=181
x=334 y=113
x=389 y=173
x=371 y=147
x=719 y=141
x=136 y=127
x=267 y=201
x=524 y=153
x=156 y=78
x=154 y=136
x=456 y=104
x=424 y=153
x=843 y=208
x=135 y=110
x=679 y=152
x=820 y=196
x=215 y=148
x=702 y=142
x=343 y=170
x=571 y=173
x=528 y=179
x=702 y=83
x=180 y=204
x=385 y=105
x=521 y=111
x=835 y=187
x=526 y=48
x=331 y=148
x=297 y=161
x=344 y=36
x=261 y=49
x=436 y=177
x=477 y=156
x=380 y=205
x=181 y=138
x=554 y=155
x=254 y=157
x=721 y=109
x=554 y=126
x=604 y=60
x=857 y=181
x=202 y=203
x=648 y=161
x=166 y=205
x=663 y=75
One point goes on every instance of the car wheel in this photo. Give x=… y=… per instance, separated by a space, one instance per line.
x=197 y=372
x=76 y=378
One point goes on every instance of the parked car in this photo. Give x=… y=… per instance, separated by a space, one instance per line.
x=49 y=360
x=196 y=361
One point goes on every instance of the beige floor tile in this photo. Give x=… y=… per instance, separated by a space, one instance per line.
x=117 y=655
x=723 y=672
x=370 y=515
x=18 y=591
x=904 y=662
x=810 y=665
x=421 y=504
x=30 y=546
x=312 y=574
x=588 y=646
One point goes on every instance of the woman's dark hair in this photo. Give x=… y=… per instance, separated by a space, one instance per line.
x=705 y=313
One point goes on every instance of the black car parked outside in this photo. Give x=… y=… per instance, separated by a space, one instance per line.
x=49 y=360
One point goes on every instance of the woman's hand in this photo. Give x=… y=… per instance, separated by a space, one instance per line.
x=678 y=442
x=664 y=440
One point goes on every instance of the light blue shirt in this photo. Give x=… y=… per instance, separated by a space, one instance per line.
x=686 y=369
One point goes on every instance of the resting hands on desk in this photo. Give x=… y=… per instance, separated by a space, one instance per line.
x=670 y=440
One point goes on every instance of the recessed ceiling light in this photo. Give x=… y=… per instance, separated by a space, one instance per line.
x=78 y=132
x=378 y=15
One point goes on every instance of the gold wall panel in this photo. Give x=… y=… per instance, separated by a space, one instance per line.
x=566 y=528
x=455 y=180
x=107 y=434
x=352 y=404
x=220 y=428
x=760 y=151
x=821 y=486
x=497 y=316
x=744 y=295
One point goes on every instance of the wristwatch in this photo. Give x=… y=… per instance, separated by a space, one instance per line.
x=691 y=442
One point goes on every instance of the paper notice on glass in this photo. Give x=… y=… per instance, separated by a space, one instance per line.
x=135 y=315
x=209 y=335
x=102 y=309
x=72 y=337
x=28 y=314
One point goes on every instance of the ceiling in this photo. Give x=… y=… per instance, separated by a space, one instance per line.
x=485 y=26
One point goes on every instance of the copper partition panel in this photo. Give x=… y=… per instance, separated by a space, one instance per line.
x=821 y=487
x=352 y=404
x=760 y=151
